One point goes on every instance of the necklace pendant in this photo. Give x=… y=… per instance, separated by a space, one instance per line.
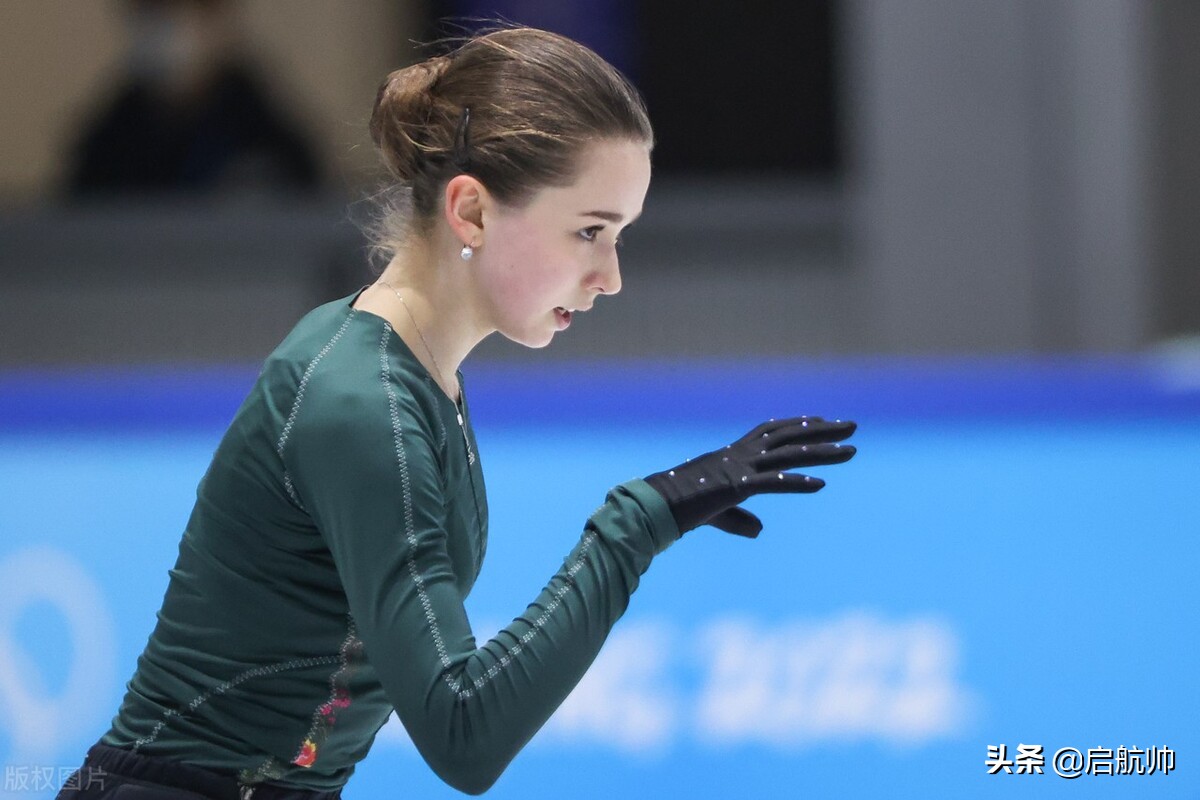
x=466 y=441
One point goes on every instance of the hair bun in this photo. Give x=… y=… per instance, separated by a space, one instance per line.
x=400 y=122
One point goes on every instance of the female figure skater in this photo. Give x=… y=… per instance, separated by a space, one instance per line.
x=321 y=576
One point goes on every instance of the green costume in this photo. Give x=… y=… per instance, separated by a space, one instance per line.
x=321 y=578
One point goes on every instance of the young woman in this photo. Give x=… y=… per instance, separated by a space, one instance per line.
x=343 y=520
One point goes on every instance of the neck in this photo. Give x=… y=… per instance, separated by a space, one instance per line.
x=440 y=324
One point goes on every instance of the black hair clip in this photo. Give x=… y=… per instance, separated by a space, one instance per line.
x=462 y=155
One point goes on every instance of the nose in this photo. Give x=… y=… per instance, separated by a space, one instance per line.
x=608 y=279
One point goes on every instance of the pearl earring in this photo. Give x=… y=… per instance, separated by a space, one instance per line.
x=467 y=252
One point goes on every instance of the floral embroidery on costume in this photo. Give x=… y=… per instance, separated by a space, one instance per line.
x=308 y=754
x=325 y=717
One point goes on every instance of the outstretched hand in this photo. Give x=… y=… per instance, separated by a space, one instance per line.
x=707 y=489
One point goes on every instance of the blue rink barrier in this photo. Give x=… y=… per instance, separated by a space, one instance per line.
x=996 y=583
x=621 y=393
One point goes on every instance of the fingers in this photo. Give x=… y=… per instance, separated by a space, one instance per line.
x=811 y=431
x=804 y=455
x=774 y=425
x=781 y=483
x=738 y=521
x=796 y=430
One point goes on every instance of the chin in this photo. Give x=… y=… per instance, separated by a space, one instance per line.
x=534 y=340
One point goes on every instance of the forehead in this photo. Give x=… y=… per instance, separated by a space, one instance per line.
x=613 y=177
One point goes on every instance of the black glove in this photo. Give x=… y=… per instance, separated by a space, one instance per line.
x=707 y=489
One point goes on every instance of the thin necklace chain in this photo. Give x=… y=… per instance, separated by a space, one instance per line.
x=424 y=342
x=458 y=403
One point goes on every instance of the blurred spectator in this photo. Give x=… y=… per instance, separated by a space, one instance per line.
x=191 y=114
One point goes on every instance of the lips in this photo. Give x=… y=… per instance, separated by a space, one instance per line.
x=563 y=316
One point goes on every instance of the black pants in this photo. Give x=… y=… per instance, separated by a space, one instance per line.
x=110 y=773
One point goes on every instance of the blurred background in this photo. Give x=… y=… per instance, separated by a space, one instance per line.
x=968 y=225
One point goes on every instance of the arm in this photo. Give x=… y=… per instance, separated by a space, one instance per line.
x=371 y=484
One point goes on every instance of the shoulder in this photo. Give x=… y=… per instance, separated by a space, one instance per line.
x=344 y=383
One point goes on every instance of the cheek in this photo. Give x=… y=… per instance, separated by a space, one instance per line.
x=525 y=272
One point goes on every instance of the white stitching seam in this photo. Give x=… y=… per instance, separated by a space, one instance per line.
x=430 y=616
x=255 y=672
x=291 y=420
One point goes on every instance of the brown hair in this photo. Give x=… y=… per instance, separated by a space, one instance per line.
x=513 y=107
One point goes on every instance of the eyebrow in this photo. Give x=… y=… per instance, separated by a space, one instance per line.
x=611 y=216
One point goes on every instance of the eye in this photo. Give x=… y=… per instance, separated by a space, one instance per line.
x=589 y=234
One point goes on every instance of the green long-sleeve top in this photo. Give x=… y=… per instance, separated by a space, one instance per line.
x=321 y=578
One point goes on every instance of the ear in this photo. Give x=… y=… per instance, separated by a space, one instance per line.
x=464 y=202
